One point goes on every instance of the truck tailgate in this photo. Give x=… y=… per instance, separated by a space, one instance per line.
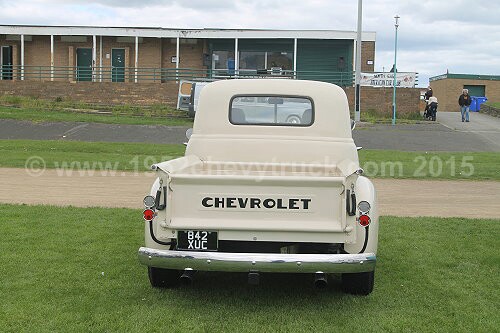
x=270 y=203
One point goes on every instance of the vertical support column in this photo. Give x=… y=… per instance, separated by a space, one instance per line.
x=100 y=58
x=51 y=57
x=177 y=51
x=22 y=57
x=136 y=61
x=94 y=57
x=236 y=58
x=295 y=58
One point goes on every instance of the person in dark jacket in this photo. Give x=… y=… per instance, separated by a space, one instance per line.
x=427 y=95
x=464 y=101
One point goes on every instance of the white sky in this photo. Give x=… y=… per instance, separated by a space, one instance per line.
x=434 y=36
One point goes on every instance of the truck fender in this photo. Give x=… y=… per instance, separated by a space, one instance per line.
x=365 y=191
x=147 y=235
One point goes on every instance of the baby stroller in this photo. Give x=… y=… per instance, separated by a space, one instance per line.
x=431 y=109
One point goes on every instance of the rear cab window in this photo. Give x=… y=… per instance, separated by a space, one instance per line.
x=271 y=110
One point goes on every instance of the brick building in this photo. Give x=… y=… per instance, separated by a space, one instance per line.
x=102 y=54
x=56 y=61
x=448 y=87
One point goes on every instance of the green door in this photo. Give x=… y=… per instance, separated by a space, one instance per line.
x=118 y=65
x=6 y=65
x=83 y=64
x=475 y=90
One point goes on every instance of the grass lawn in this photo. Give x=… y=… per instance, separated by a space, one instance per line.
x=139 y=156
x=76 y=269
x=123 y=156
x=377 y=116
x=41 y=114
x=430 y=165
x=495 y=105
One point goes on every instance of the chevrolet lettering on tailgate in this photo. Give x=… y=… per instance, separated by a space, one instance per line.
x=255 y=203
x=250 y=195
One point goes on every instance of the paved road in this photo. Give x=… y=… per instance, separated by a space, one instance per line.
x=396 y=197
x=481 y=134
x=15 y=129
x=483 y=126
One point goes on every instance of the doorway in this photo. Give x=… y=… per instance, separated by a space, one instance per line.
x=6 y=63
x=84 y=64
x=118 y=65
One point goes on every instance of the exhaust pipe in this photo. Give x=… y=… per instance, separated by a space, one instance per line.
x=187 y=276
x=253 y=278
x=320 y=280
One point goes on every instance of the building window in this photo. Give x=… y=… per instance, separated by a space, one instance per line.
x=283 y=60
x=252 y=60
x=223 y=62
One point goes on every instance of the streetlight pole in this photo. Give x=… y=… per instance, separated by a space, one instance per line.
x=357 y=92
x=396 y=25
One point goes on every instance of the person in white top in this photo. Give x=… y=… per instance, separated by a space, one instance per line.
x=432 y=104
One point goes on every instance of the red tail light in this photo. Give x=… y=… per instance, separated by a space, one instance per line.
x=148 y=214
x=364 y=220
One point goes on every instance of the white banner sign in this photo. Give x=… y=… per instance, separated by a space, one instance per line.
x=403 y=80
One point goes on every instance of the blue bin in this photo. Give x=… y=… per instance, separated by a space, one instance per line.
x=480 y=100
x=473 y=104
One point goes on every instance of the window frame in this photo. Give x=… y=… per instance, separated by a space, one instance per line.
x=313 y=118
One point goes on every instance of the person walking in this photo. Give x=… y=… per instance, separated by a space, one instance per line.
x=464 y=101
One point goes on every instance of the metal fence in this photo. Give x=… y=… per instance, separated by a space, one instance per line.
x=150 y=74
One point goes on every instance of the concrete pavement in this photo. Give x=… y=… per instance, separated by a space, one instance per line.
x=485 y=127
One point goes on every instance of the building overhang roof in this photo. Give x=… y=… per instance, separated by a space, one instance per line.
x=181 y=33
x=465 y=77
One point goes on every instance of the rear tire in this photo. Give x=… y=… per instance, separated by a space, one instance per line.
x=163 y=278
x=358 y=283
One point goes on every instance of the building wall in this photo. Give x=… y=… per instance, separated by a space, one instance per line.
x=367 y=54
x=448 y=90
x=379 y=99
x=190 y=54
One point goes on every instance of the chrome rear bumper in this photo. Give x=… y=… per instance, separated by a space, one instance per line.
x=261 y=262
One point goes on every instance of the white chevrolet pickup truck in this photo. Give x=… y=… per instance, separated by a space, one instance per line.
x=270 y=182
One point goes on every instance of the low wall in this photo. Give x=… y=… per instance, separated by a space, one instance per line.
x=378 y=99
x=95 y=92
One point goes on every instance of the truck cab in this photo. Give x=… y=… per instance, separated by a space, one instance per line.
x=270 y=182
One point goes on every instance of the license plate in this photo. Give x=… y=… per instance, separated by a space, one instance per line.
x=197 y=240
